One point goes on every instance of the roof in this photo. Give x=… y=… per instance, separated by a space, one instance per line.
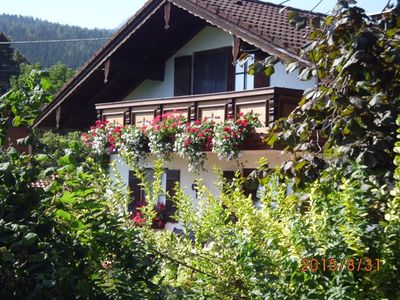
x=268 y=22
x=261 y=24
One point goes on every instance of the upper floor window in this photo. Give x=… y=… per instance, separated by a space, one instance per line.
x=212 y=71
x=206 y=72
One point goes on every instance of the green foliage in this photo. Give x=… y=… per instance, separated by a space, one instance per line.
x=55 y=146
x=20 y=28
x=29 y=93
x=71 y=239
x=351 y=113
x=64 y=227
x=57 y=76
x=22 y=104
x=10 y=60
x=234 y=249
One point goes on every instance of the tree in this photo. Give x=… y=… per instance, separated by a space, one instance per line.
x=9 y=66
x=57 y=74
x=28 y=94
x=351 y=113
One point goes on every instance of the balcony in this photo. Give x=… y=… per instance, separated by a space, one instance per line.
x=269 y=103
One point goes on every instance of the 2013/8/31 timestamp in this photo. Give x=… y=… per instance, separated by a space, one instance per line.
x=332 y=264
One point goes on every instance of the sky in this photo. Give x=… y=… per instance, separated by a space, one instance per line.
x=111 y=14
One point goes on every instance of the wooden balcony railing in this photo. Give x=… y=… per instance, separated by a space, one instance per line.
x=269 y=103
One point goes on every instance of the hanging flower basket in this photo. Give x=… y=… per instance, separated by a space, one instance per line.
x=195 y=139
x=162 y=132
x=230 y=135
x=171 y=132
x=101 y=137
x=132 y=143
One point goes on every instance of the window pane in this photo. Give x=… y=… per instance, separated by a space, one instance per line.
x=211 y=71
x=239 y=68
x=239 y=82
x=249 y=82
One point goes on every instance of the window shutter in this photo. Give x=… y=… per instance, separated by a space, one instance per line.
x=250 y=185
x=183 y=75
x=260 y=79
x=173 y=176
x=228 y=175
x=136 y=192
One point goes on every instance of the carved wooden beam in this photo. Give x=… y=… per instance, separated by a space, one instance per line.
x=167 y=14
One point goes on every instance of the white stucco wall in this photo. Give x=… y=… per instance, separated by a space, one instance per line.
x=206 y=39
x=282 y=79
x=248 y=159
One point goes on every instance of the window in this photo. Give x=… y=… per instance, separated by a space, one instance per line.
x=168 y=181
x=206 y=72
x=212 y=71
x=244 y=81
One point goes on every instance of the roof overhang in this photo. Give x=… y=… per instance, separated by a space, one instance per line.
x=127 y=48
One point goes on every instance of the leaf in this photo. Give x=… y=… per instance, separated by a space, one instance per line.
x=4 y=166
x=46 y=83
x=67 y=197
x=269 y=70
x=17 y=121
x=29 y=239
x=292 y=66
x=305 y=74
x=376 y=100
x=64 y=215
x=41 y=157
x=65 y=160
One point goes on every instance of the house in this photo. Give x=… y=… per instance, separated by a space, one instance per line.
x=180 y=55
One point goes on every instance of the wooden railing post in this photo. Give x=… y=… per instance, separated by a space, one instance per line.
x=99 y=115
x=192 y=112
x=158 y=111
x=272 y=107
x=127 y=117
x=230 y=109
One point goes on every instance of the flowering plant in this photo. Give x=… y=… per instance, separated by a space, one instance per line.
x=191 y=143
x=230 y=135
x=162 y=131
x=101 y=137
x=159 y=219
x=132 y=143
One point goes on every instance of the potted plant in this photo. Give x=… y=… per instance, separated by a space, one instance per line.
x=193 y=141
x=230 y=135
x=162 y=132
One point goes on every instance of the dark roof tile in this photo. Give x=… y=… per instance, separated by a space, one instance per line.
x=267 y=20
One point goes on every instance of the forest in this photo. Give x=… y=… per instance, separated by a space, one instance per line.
x=72 y=54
